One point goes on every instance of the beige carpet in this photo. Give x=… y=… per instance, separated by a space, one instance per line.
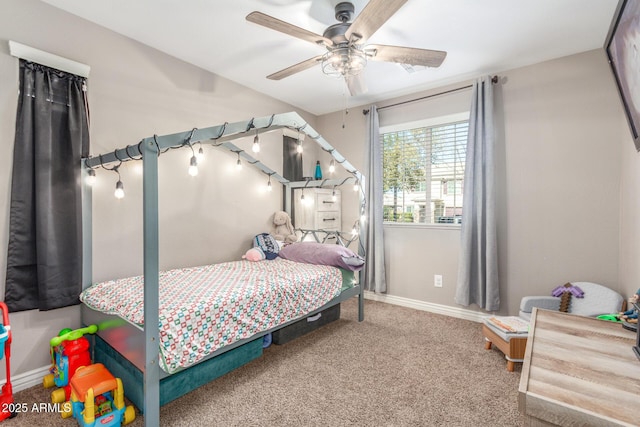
x=400 y=367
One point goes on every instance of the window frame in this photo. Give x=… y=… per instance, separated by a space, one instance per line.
x=427 y=122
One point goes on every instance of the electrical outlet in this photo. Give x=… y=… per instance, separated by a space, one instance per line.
x=437 y=281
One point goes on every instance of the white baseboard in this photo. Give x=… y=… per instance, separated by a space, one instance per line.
x=28 y=379
x=459 y=313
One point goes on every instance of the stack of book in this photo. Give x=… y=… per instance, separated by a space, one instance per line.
x=509 y=324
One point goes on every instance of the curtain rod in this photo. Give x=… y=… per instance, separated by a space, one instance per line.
x=38 y=56
x=494 y=79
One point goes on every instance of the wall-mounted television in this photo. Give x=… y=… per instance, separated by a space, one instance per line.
x=623 y=50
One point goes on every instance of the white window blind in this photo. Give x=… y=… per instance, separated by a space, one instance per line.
x=423 y=172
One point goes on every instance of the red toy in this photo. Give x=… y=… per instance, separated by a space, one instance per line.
x=69 y=351
x=6 y=395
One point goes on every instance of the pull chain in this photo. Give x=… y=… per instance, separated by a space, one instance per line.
x=345 y=110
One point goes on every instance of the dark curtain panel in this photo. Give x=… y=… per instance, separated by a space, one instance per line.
x=291 y=159
x=44 y=260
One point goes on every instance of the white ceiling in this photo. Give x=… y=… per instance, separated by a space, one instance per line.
x=480 y=37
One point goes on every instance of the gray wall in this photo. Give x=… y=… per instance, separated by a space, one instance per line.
x=135 y=92
x=559 y=157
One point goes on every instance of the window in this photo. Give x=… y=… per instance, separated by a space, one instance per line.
x=423 y=171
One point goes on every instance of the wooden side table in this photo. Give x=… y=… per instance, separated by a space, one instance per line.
x=513 y=348
x=579 y=371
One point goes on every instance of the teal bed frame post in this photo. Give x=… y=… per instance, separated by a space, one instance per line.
x=362 y=244
x=151 y=385
x=87 y=229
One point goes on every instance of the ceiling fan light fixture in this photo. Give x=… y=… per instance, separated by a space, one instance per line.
x=344 y=61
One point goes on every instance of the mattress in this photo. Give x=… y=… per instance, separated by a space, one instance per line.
x=205 y=308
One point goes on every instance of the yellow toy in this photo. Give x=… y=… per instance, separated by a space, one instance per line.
x=97 y=398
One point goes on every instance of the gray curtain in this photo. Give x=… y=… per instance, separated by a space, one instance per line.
x=44 y=257
x=478 y=268
x=372 y=233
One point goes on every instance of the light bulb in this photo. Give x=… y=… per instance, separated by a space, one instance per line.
x=256 y=144
x=193 y=167
x=91 y=177
x=269 y=188
x=299 y=148
x=356 y=186
x=238 y=163
x=200 y=155
x=333 y=196
x=119 y=193
x=354 y=232
x=332 y=166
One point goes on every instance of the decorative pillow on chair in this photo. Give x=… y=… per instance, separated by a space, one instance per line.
x=322 y=254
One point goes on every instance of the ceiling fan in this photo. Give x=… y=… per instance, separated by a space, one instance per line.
x=347 y=51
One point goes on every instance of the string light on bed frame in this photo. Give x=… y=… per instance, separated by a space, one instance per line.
x=239 y=162
x=200 y=154
x=256 y=143
x=334 y=197
x=269 y=188
x=193 y=166
x=332 y=166
x=193 y=163
x=299 y=148
x=356 y=186
x=354 y=230
x=91 y=177
x=119 y=192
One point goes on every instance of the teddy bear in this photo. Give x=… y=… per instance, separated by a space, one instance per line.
x=282 y=229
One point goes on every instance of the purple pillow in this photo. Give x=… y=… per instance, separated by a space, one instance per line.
x=322 y=254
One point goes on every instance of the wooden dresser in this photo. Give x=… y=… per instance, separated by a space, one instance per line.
x=320 y=211
x=579 y=371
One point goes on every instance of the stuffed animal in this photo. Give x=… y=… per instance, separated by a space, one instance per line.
x=631 y=315
x=283 y=230
x=254 y=254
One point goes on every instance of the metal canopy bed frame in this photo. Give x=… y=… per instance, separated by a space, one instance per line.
x=148 y=150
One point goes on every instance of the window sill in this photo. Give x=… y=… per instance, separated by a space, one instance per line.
x=421 y=226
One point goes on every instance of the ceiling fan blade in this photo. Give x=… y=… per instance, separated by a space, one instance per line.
x=405 y=55
x=301 y=66
x=356 y=84
x=374 y=14
x=286 y=28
